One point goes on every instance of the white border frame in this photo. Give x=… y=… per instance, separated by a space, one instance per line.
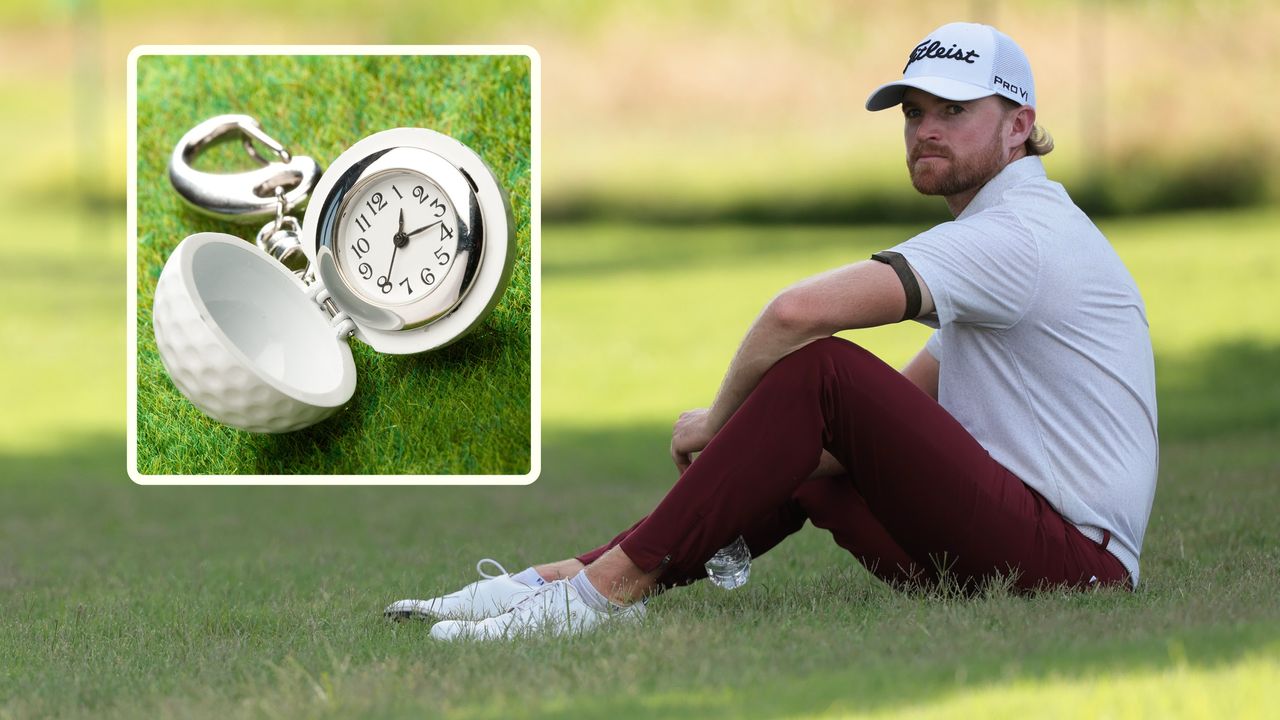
x=535 y=262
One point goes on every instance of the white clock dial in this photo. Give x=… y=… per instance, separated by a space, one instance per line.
x=397 y=238
x=409 y=236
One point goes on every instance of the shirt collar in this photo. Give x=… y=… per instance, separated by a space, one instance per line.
x=1014 y=173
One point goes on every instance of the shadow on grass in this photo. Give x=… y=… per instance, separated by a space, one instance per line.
x=1135 y=184
x=1229 y=388
x=94 y=459
x=594 y=250
x=840 y=206
x=1210 y=612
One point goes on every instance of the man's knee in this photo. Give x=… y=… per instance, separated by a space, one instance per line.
x=829 y=352
x=822 y=371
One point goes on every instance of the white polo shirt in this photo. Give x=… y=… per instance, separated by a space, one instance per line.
x=1045 y=351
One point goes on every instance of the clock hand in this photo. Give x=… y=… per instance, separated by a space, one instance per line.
x=392 y=264
x=424 y=227
x=399 y=239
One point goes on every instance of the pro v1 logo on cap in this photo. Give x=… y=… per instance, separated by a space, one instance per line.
x=962 y=61
x=1011 y=88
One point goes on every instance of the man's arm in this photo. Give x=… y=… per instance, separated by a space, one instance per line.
x=922 y=371
x=864 y=294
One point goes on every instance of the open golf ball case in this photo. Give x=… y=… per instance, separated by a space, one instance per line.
x=259 y=347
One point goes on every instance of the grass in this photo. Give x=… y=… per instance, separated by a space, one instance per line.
x=478 y=418
x=208 y=602
x=123 y=601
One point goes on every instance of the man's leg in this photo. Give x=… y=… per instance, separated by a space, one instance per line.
x=831 y=503
x=561 y=569
x=933 y=488
x=834 y=504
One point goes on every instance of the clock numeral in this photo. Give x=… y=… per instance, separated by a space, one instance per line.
x=423 y=196
x=366 y=272
x=397 y=192
x=362 y=223
x=427 y=276
x=443 y=260
x=446 y=232
x=407 y=286
x=375 y=203
x=360 y=247
x=384 y=284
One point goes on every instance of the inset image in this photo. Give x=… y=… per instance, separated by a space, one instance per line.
x=334 y=267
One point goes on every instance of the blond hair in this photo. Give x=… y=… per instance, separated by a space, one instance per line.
x=1039 y=142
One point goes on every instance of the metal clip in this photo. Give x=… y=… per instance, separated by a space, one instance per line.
x=245 y=196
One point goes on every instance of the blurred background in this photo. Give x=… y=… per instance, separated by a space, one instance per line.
x=655 y=113
x=696 y=158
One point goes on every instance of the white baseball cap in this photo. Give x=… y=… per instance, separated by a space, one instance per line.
x=962 y=61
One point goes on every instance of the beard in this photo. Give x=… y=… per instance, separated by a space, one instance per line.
x=953 y=175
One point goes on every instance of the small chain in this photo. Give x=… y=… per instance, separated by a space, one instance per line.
x=268 y=238
x=280 y=205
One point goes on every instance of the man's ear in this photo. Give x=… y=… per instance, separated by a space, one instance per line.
x=1022 y=121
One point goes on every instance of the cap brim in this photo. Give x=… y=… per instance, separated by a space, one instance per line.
x=890 y=94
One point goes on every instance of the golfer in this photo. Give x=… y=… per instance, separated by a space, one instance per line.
x=1019 y=443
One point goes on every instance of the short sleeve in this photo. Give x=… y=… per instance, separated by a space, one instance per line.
x=934 y=346
x=982 y=270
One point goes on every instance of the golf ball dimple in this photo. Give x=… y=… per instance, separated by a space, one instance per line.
x=212 y=376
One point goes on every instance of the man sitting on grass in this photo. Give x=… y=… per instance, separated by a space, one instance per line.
x=1020 y=442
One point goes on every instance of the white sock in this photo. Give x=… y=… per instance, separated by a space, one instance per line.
x=529 y=577
x=591 y=596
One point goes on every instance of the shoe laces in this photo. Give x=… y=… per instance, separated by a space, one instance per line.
x=481 y=565
x=539 y=592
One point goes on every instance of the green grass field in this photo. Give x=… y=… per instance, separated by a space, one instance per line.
x=477 y=418
x=118 y=601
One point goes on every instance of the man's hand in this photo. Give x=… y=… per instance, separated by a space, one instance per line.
x=691 y=433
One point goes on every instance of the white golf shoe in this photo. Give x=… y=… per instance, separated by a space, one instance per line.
x=489 y=596
x=553 y=609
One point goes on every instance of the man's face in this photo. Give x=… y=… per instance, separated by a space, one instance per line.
x=953 y=146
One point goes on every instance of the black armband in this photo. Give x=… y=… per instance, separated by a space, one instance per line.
x=908 y=278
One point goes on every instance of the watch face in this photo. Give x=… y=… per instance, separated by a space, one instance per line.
x=397 y=238
x=409 y=235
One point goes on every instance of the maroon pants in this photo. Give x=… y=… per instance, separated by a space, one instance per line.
x=921 y=500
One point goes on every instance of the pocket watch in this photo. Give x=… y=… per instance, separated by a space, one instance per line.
x=407 y=244
x=410 y=232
